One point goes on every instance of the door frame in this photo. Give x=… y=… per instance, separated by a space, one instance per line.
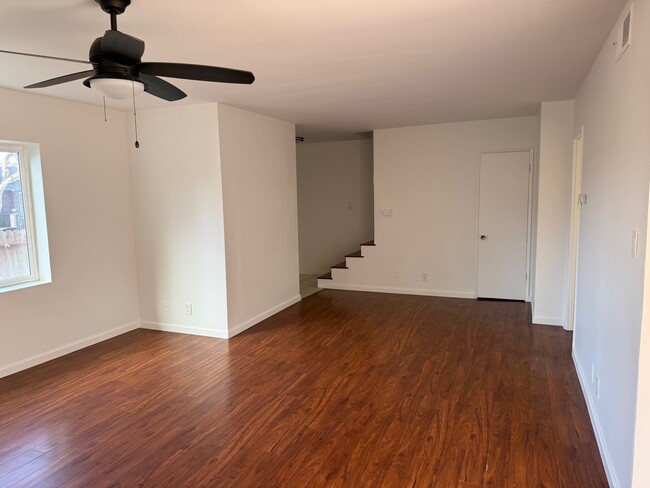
x=531 y=170
x=574 y=231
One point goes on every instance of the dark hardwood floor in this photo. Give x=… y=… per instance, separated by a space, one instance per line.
x=343 y=389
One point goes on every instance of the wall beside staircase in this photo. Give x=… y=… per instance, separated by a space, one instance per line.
x=428 y=176
x=258 y=168
x=179 y=220
x=215 y=218
x=335 y=201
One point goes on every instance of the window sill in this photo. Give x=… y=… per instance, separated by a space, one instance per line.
x=26 y=284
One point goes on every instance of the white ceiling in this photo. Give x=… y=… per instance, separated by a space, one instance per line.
x=334 y=67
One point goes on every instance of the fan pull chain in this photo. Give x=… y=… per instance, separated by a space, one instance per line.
x=105 y=118
x=135 y=117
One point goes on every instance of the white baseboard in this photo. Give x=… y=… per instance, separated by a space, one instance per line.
x=237 y=329
x=595 y=422
x=185 y=329
x=540 y=320
x=63 y=350
x=400 y=291
x=220 y=333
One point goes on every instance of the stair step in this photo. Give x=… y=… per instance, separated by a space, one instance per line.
x=344 y=264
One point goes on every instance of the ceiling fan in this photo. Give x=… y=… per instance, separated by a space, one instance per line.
x=118 y=70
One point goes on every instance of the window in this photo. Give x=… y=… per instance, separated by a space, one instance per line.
x=19 y=257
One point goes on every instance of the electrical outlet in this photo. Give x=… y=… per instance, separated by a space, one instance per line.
x=593 y=372
x=349 y=205
x=188 y=309
x=424 y=276
x=597 y=387
x=396 y=274
x=386 y=213
x=165 y=307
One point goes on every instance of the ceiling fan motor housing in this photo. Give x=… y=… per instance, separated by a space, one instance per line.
x=117 y=47
x=105 y=67
x=114 y=6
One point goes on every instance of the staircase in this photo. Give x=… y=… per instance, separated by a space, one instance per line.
x=344 y=264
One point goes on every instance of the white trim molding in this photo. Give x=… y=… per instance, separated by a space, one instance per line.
x=400 y=291
x=185 y=329
x=540 y=320
x=32 y=361
x=595 y=422
x=238 y=329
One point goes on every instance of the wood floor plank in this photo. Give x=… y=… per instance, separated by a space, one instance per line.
x=18 y=461
x=344 y=389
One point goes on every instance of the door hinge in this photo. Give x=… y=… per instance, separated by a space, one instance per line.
x=526 y=276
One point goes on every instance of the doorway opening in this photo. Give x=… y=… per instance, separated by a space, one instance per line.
x=574 y=231
x=335 y=207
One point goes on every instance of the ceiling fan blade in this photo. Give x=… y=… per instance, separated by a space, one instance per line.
x=122 y=48
x=161 y=89
x=45 y=57
x=62 y=79
x=197 y=72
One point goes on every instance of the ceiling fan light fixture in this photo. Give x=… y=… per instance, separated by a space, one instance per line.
x=117 y=88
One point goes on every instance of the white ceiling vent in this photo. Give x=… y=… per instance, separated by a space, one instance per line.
x=624 y=33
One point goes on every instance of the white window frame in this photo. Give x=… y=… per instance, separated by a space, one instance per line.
x=30 y=226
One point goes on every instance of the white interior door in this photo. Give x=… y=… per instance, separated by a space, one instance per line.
x=503 y=225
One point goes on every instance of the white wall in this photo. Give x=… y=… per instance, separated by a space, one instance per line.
x=553 y=212
x=641 y=469
x=612 y=105
x=429 y=176
x=258 y=165
x=93 y=294
x=332 y=175
x=216 y=219
x=179 y=220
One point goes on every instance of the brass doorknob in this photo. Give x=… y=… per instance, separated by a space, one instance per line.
x=483 y=238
